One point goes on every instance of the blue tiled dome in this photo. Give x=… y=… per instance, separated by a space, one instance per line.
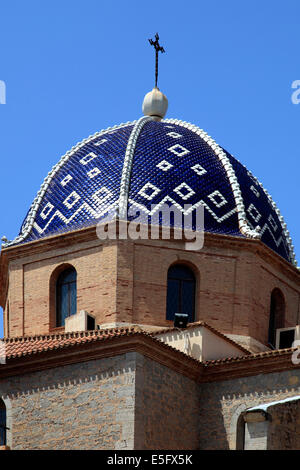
x=146 y=163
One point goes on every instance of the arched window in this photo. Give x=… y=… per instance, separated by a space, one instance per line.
x=2 y=423
x=66 y=295
x=277 y=314
x=181 y=292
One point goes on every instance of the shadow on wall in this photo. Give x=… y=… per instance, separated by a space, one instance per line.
x=283 y=432
x=212 y=432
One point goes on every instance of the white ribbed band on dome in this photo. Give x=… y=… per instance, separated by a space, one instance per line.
x=28 y=223
x=127 y=166
x=244 y=227
x=278 y=213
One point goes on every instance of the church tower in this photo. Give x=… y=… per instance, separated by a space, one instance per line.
x=61 y=264
x=94 y=260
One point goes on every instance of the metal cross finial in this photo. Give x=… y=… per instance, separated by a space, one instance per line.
x=158 y=49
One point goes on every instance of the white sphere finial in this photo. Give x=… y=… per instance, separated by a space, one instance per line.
x=155 y=104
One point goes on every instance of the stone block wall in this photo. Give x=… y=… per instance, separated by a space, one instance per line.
x=132 y=402
x=222 y=404
x=123 y=402
x=284 y=426
x=87 y=405
x=274 y=427
x=167 y=408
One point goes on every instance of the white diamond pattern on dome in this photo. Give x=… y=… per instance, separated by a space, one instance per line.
x=199 y=169
x=254 y=190
x=178 y=150
x=186 y=171
x=272 y=222
x=85 y=185
x=184 y=191
x=102 y=195
x=254 y=213
x=47 y=210
x=100 y=142
x=217 y=198
x=164 y=165
x=66 y=180
x=94 y=172
x=88 y=158
x=175 y=135
x=71 y=200
x=148 y=191
x=71 y=175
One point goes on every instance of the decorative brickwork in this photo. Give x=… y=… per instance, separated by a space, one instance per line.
x=126 y=281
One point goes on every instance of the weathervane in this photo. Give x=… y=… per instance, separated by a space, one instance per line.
x=158 y=49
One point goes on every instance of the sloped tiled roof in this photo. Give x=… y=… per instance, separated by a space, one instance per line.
x=43 y=351
x=28 y=345
x=251 y=357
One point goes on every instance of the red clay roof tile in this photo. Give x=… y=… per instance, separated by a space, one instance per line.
x=30 y=345
x=26 y=345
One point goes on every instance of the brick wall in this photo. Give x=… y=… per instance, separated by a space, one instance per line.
x=126 y=281
x=234 y=286
x=32 y=294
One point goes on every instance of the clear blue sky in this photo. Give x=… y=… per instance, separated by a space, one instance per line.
x=74 y=67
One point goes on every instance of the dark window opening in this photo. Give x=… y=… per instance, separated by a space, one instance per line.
x=181 y=292
x=287 y=338
x=277 y=313
x=3 y=427
x=66 y=296
x=90 y=323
